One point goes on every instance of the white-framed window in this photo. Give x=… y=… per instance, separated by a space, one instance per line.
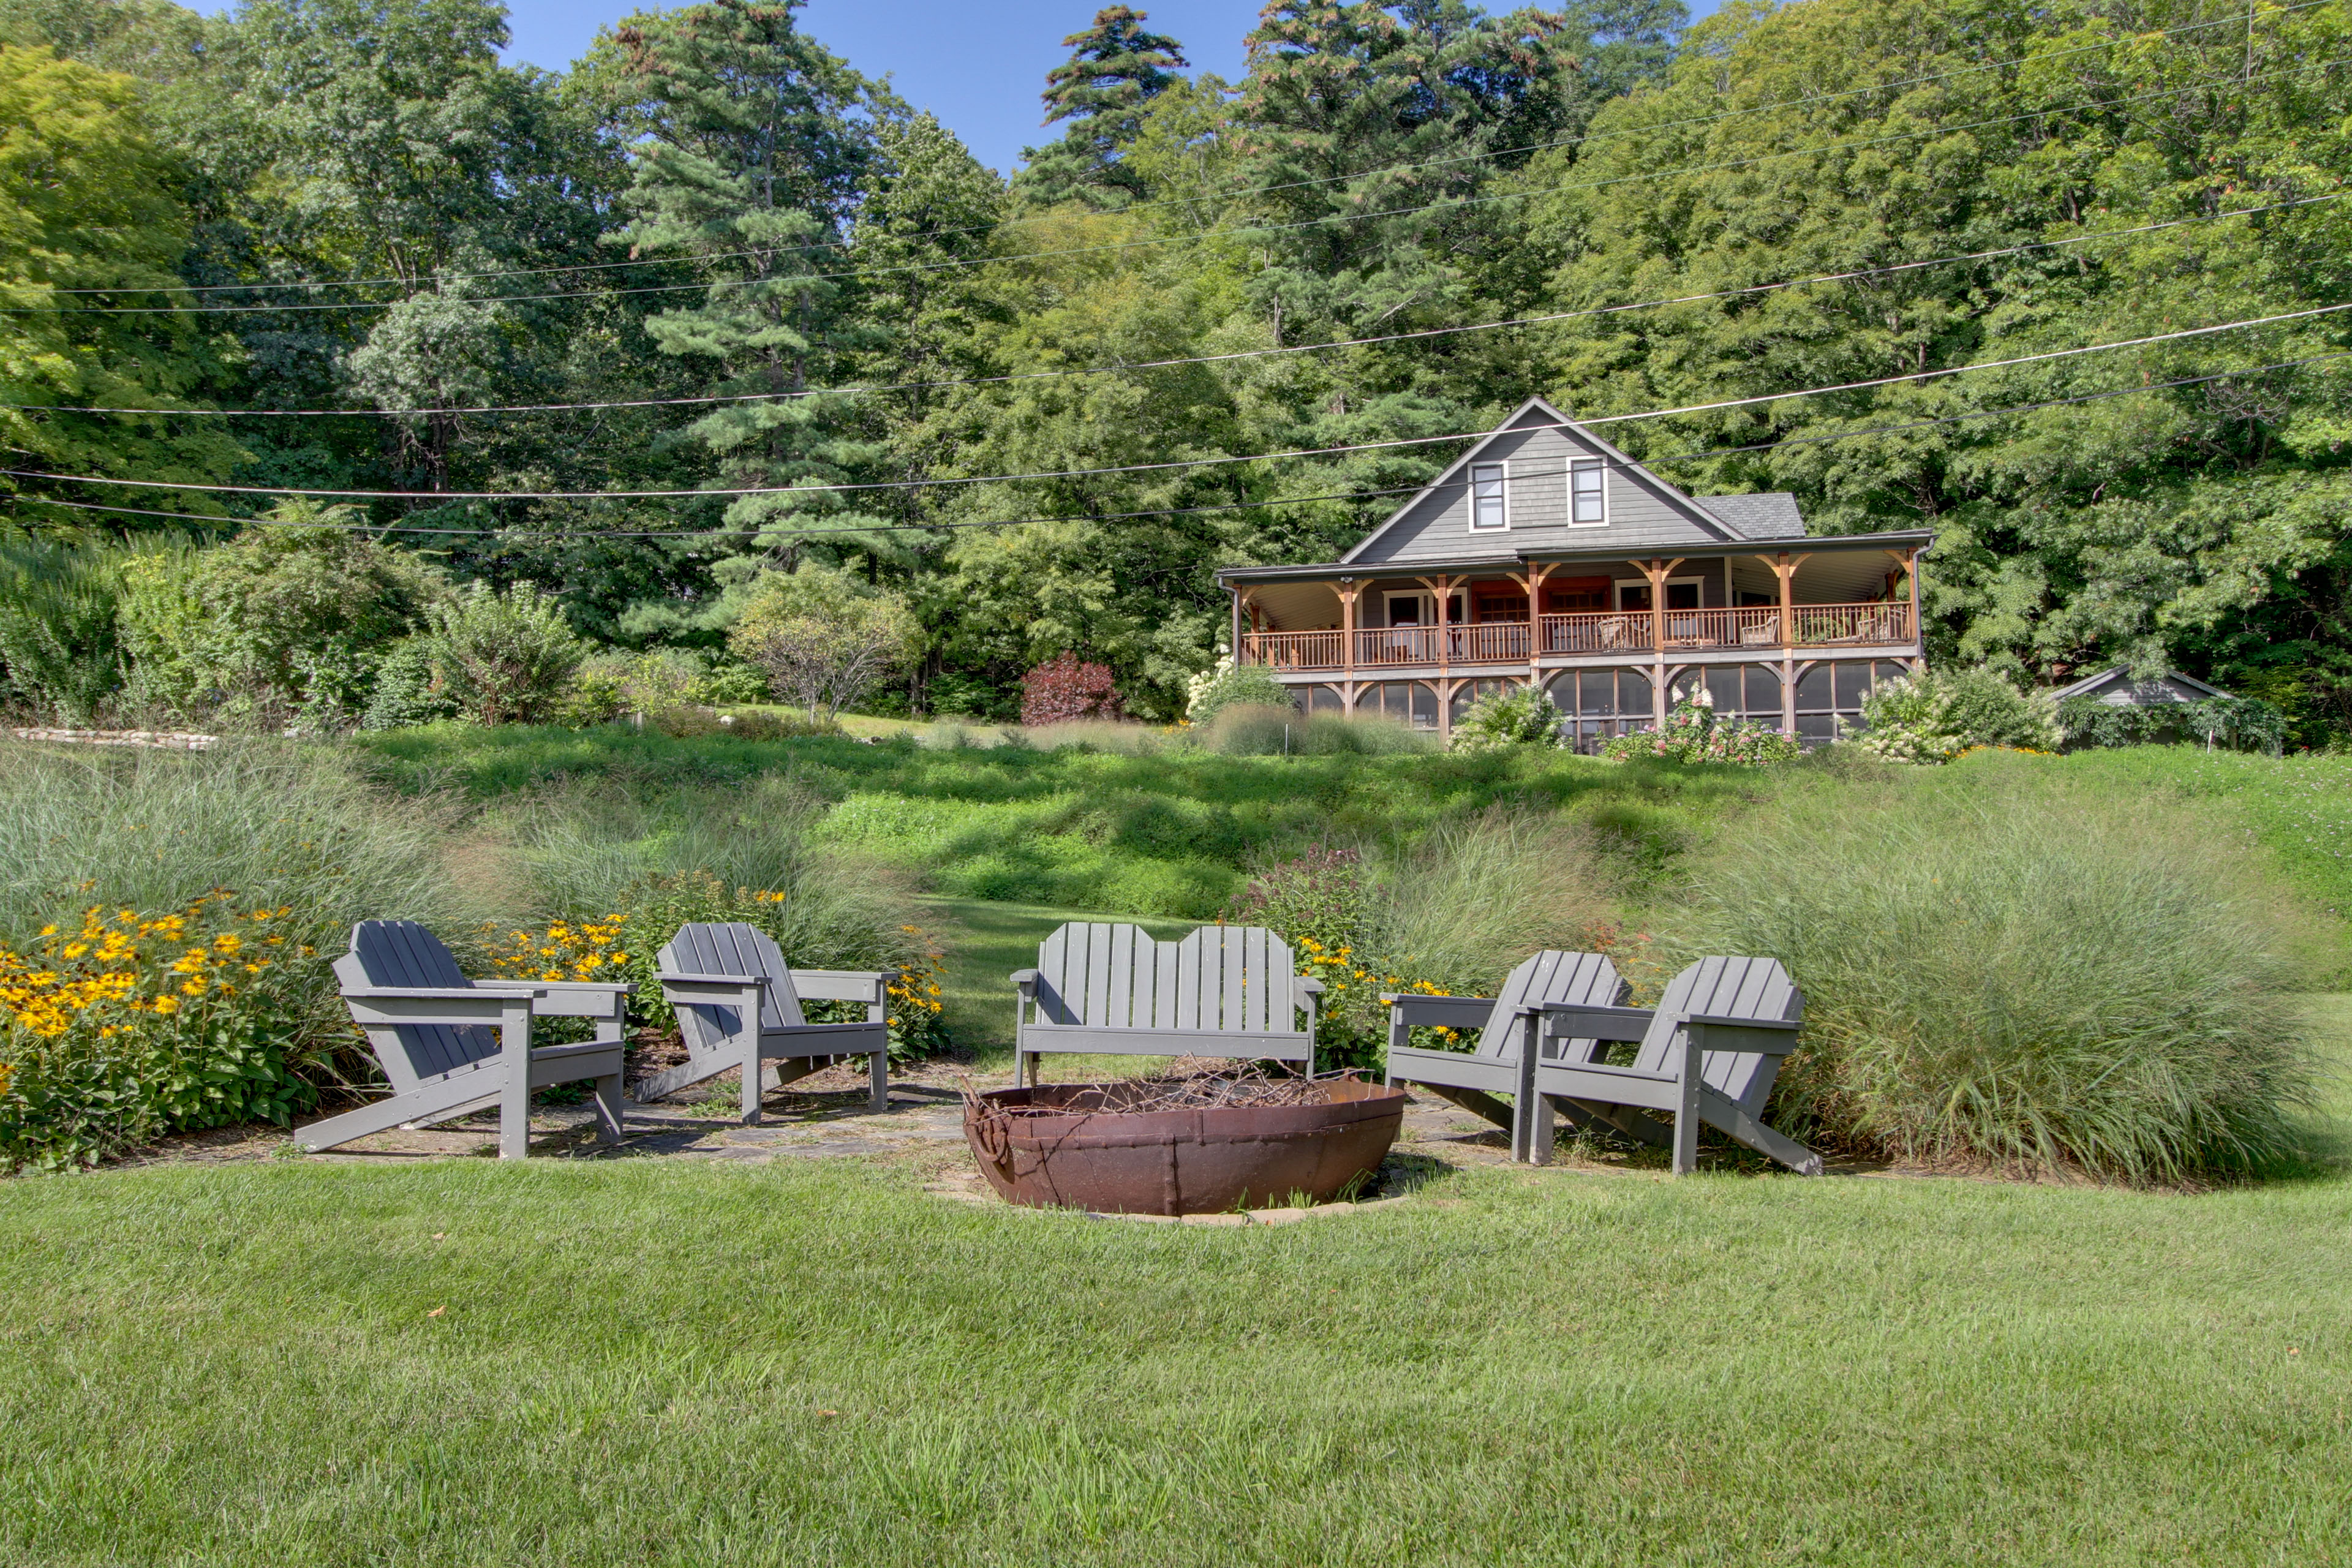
x=1418 y=607
x=1588 y=500
x=1682 y=593
x=1489 y=501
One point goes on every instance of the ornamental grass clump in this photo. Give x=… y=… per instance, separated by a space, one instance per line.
x=1451 y=916
x=2001 y=973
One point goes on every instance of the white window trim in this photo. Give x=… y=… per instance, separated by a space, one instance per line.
x=1428 y=603
x=1617 y=591
x=1574 y=465
x=1503 y=468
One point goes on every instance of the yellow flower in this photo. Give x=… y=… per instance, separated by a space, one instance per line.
x=167 y=1004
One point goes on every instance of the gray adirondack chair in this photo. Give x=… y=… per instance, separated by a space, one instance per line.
x=1502 y=1063
x=1709 y=1052
x=451 y=1046
x=739 y=1005
x=1222 y=991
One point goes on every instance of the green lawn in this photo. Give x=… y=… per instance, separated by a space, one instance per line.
x=664 y=1363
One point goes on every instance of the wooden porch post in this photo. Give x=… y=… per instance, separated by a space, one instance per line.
x=1918 y=632
x=1785 y=568
x=1443 y=588
x=1657 y=570
x=1532 y=580
x=1234 y=646
x=1348 y=591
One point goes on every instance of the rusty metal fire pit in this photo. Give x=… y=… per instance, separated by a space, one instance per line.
x=1071 y=1145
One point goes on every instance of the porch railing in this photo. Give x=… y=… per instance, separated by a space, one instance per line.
x=1586 y=634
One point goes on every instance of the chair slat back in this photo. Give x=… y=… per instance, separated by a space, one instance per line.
x=403 y=955
x=1725 y=988
x=1584 y=979
x=1217 y=980
x=732 y=949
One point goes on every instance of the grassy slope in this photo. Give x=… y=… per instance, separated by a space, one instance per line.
x=657 y=1362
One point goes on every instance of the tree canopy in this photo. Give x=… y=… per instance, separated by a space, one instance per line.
x=714 y=304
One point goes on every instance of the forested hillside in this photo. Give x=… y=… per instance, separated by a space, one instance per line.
x=714 y=303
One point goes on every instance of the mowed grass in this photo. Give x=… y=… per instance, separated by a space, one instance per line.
x=656 y=1361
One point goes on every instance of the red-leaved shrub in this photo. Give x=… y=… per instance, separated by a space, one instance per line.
x=1063 y=688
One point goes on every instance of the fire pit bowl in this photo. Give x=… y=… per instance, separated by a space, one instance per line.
x=1072 y=1145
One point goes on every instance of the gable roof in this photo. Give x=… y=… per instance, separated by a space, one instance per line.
x=2119 y=688
x=1779 y=515
x=1770 y=515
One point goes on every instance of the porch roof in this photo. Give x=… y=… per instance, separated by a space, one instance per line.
x=1511 y=561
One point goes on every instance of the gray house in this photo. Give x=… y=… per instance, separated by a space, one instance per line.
x=1545 y=556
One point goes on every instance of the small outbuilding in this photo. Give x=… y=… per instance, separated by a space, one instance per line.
x=2116 y=688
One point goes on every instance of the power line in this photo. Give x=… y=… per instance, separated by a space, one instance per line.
x=1204 y=194
x=757 y=531
x=1169 y=465
x=796 y=280
x=1014 y=376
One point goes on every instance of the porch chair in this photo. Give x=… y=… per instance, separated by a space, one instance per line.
x=1709 y=1052
x=451 y=1046
x=1764 y=633
x=1222 y=991
x=1509 y=1021
x=739 y=1005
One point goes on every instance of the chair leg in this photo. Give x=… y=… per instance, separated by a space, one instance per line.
x=752 y=1076
x=608 y=1109
x=878 y=1066
x=514 y=1094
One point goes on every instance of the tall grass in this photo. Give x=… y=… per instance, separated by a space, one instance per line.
x=276 y=823
x=1478 y=895
x=2004 y=970
x=594 y=850
x=1248 y=729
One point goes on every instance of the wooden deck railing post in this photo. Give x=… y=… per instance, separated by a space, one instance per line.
x=1348 y=591
x=1235 y=644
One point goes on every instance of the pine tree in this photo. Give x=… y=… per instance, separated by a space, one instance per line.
x=759 y=146
x=1114 y=70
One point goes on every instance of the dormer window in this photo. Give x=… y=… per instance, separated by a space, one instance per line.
x=1488 y=507
x=1587 y=502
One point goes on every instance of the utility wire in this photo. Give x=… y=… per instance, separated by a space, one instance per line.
x=1014 y=376
x=1451 y=204
x=755 y=530
x=867 y=485
x=1205 y=194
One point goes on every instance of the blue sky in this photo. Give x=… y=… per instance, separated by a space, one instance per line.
x=978 y=66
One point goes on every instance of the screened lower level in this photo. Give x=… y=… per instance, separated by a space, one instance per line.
x=1614 y=700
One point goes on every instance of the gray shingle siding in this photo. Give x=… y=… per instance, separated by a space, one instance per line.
x=1644 y=513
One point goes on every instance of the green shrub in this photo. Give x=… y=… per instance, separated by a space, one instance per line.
x=406 y=692
x=2238 y=723
x=1984 y=709
x=1230 y=685
x=504 y=658
x=1999 y=971
x=282 y=625
x=59 y=649
x=1523 y=717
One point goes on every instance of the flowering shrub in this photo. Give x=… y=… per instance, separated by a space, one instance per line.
x=122 y=1027
x=1318 y=903
x=1692 y=733
x=1910 y=720
x=623 y=946
x=1229 y=685
x=1063 y=688
x=1525 y=717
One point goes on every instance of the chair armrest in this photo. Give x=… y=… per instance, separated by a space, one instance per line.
x=736 y=980
x=843 y=984
x=1764 y=1036
x=580 y=999
x=1024 y=978
x=1418 y=1009
x=1309 y=984
x=441 y=992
